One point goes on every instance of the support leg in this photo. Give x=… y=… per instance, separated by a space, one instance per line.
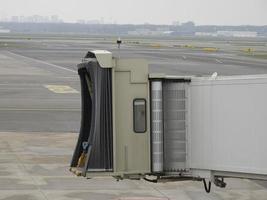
x=207 y=188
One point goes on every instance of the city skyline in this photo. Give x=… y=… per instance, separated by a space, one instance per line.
x=33 y=18
x=205 y=12
x=56 y=19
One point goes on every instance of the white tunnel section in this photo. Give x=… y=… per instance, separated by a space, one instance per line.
x=169 y=125
x=228 y=124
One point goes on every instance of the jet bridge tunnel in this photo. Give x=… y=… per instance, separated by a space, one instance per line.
x=140 y=124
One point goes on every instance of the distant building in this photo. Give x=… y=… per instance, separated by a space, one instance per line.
x=81 y=21
x=3 y=30
x=147 y=32
x=237 y=34
x=189 y=24
x=35 y=19
x=228 y=34
x=176 y=23
x=15 y=18
x=205 y=34
x=94 y=21
x=163 y=29
x=140 y=31
x=55 y=19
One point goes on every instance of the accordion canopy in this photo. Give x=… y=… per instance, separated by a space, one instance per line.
x=96 y=118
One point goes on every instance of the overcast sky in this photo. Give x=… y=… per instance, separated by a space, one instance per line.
x=221 y=12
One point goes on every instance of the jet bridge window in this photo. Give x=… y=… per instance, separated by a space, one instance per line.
x=139 y=115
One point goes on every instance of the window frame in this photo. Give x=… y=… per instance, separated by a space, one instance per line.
x=134 y=112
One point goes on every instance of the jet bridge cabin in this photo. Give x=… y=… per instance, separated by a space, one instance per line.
x=136 y=123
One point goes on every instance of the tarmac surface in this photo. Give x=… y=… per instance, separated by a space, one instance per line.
x=34 y=166
x=28 y=103
x=40 y=114
x=28 y=63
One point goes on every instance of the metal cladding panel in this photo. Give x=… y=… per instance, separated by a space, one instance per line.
x=228 y=125
x=132 y=144
x=157 y=126
x=174 y=98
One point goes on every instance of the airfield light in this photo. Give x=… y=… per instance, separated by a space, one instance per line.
x=119 y=42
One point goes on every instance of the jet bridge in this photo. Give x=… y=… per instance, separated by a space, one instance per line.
x=136 y=124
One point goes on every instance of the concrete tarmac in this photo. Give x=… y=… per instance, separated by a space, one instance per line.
x=35 y=166
x=26 y=104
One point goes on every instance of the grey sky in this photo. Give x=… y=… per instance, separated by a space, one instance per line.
x=222 y=12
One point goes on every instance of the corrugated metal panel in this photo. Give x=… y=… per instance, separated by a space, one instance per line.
x=157 y=126
x=174 y=98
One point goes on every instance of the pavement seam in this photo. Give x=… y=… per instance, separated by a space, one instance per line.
x=43 y=62
x=31 y=177
x=155 y=189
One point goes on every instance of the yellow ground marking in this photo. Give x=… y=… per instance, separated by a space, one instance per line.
x=210 y=49
x=248 y=50
x=61 y=89
x=155 y=45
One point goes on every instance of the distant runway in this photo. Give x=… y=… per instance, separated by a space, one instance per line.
x=39 y=84
x=179 y=61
